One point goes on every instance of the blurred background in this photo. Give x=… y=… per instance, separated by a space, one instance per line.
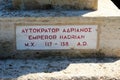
x=117 y=3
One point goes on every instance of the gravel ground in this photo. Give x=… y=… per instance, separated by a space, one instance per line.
x=60 y=69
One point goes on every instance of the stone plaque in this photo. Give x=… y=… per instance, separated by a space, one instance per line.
x=50 y=37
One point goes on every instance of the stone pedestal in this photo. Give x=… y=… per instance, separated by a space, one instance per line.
x=49 y=4
x=95 y=33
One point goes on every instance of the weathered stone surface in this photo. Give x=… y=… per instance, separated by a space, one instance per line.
x=108 y=38
x=61 y=69
x=48 y=4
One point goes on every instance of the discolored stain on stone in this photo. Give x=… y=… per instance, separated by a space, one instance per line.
x=49 y=4
x=6 y=46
